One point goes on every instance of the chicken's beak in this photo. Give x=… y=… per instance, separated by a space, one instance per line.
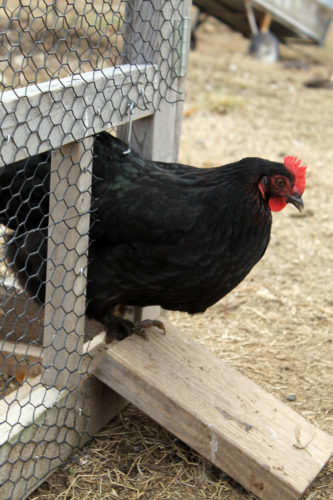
x=296 y=200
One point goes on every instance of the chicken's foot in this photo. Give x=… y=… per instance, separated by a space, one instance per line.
x=140 y=327
x=120 y=328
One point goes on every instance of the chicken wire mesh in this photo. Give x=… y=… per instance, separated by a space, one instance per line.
x=68 y=70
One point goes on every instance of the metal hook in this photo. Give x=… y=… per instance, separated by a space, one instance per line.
x=131 y=106
x=144 y=98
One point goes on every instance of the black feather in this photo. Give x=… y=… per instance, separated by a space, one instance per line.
x=168 y=234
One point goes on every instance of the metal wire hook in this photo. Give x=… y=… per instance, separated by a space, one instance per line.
x=144 y=98
x=131 y=106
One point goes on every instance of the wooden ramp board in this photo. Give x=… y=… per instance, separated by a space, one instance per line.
x=256 y=439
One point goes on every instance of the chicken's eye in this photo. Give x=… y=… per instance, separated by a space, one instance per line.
x=280 y=182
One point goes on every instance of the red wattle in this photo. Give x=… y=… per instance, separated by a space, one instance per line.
x=276 y=204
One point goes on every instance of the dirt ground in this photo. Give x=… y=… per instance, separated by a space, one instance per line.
x=276 y=327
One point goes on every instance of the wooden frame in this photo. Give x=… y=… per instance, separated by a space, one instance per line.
x=51 y=415
x=68 y=243
x=42 y=426
x=52 y=114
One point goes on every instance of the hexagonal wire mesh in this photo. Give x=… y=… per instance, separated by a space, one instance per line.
x=68 y=70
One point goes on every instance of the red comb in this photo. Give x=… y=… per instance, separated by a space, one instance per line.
x=293 y=164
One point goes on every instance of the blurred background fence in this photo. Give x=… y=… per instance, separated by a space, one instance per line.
x=68 y=70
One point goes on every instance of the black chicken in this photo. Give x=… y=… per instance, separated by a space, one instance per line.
x=161 y=234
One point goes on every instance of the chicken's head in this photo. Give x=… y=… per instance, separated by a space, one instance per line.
x=282 y=189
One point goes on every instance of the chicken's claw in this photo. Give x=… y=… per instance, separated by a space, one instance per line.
x=140 y=327
x=120 y=328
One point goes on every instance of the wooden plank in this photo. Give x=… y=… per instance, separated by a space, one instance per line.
x=51 y=114
x=68 y=240
x=42 y=427
x=266 y=23
x=256 y=439
x=251 y=17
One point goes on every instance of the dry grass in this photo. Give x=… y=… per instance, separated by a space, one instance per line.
x=276 y=327
x=137 y=459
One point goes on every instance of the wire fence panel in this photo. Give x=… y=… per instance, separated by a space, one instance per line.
x=68 y=70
